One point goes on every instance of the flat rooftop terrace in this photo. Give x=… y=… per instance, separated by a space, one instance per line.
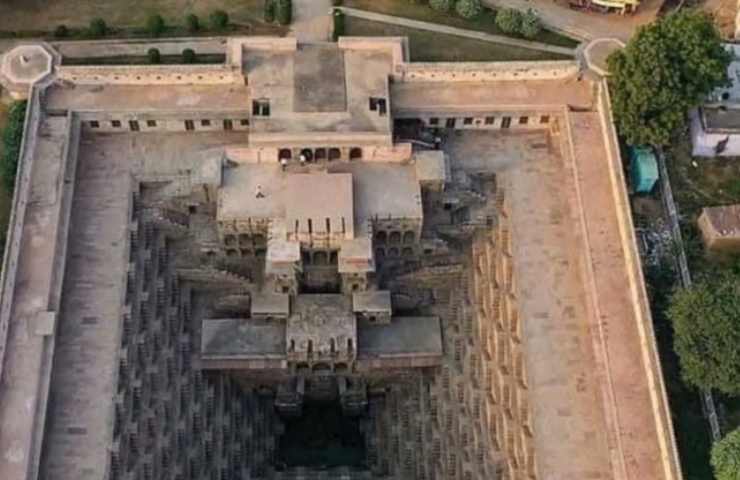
x=170 y=98
x=319 y=88
x=413 y=97
x=382 y=189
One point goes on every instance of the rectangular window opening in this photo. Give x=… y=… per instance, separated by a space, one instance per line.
x=490 y=120
x=189 y=125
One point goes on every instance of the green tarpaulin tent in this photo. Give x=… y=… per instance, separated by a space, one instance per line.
x=643 y=169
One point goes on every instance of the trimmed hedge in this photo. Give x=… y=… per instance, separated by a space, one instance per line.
x=192 y=23
x=188 y=56
x=12 y=136
x=338 y=31
x=155 y=25
x=98 y=27
x=154 y=56
x=442 y=5
x=269 y=11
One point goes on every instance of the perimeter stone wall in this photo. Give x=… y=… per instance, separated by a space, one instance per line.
x=151 y=74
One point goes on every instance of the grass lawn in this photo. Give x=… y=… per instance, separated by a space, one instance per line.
x=435 y=47
x=483 y=23
x=5 y=197
x=45 y=15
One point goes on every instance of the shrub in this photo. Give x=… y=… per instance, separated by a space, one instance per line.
x=706 y=334
x=219 y=19
x=192 y=23
x=155 y=25
x=154 y=56
x=442 y=5
x=468 y=8
x=284 y=12
x=269 y=11
x=726 y=457
x=98 y=27
x=530 y=24
x=12 y=136
x=61 y=31
x=509 y=20
x=188 y=56
x=338 y=24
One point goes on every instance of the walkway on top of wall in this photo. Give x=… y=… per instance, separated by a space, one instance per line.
x=460 y=32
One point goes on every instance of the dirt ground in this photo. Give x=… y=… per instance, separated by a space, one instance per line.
x=44 y=15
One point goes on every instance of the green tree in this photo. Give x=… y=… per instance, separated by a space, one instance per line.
x=155 y=25
x=153 y=56
x=284 y=12
x=12 y=136
x=98 y=28
x=188 y=56
x=468 y=8
x=442 y=5
x=726 y=457
x=667 y=68
x=706 y=326
x=269 y=11
x=509 y=20
x=192 y=23
x=219 y=20
x=530 y=24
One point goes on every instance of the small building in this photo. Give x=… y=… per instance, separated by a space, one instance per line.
x=720 y=228
x=715 y=125
x=643 y=169
x=373 y=306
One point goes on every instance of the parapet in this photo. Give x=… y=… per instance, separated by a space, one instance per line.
x=485 y=71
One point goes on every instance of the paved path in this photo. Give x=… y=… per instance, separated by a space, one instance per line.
x=312 y=20
x=584 y=25
x=460 y=32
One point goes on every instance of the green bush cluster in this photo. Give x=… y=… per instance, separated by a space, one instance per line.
x=468 y=8
x=192 y=23
x=442 y=5
x=280 y=10
x=269 y=11
x=98 y=28
x=219 y=20
x=155 y=25
x=12 y=136
x=527 y=24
